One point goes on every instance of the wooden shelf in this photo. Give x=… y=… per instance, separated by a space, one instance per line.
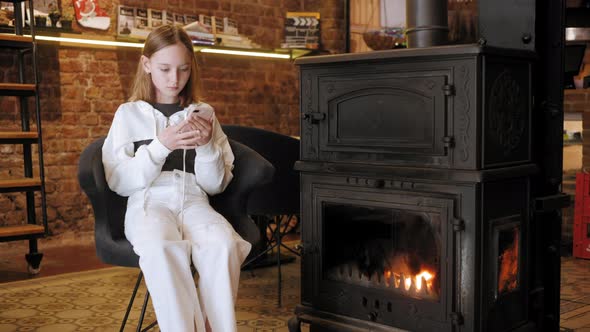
x=73 y=40
x=15 y=41
x=20 y=184
x=568 y=92
x=21 y=230
x=18 y=137
x=15 y=89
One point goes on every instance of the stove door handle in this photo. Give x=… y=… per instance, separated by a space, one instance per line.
x=313 y=117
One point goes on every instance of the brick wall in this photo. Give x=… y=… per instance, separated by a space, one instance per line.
x=82 y=87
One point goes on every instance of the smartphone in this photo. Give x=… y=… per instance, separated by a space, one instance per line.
x=204 y=111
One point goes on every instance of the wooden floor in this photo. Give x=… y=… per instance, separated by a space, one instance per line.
x=58 y=257
x=64 y=258
x=575 y=294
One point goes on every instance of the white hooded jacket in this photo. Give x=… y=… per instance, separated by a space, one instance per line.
x=128 y=171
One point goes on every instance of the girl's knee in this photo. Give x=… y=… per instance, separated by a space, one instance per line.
x=163 y=250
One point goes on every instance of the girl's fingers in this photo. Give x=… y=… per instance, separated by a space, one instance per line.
x=200 y=122
x=187 y=134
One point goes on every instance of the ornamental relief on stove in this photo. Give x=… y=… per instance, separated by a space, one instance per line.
x=307 y=128
x=506 y=110
x=464 y=113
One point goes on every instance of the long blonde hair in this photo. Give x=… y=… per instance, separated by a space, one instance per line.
x=163 y=36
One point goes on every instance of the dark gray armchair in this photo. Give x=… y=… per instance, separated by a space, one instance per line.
x=275 y=203
x=251 y=171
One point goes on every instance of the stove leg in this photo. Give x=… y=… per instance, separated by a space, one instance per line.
x=294 y=324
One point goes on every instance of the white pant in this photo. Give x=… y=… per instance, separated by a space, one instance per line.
x=165 y=245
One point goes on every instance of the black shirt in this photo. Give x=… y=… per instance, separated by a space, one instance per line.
x=174 y=159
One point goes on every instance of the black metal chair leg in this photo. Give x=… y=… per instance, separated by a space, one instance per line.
x=139 y=277
x=278 y=237
x=150 y=326
x=143 y=308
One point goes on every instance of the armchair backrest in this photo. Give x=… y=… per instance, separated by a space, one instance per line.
x=281 y=195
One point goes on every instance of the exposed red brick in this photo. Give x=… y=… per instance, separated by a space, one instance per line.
x=82 y=87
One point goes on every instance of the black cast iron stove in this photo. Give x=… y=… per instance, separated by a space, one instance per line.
x=417 y=171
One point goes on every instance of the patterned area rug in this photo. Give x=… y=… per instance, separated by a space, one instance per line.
x=96 y=301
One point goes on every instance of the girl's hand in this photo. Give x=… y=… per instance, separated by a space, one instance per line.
x=180 y=136
x=203 y=128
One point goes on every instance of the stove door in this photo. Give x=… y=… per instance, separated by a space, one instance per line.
x=381 y=255
x=397 y=115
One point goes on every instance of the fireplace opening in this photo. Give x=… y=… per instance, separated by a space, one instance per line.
x=385 y=248
x=508 y=260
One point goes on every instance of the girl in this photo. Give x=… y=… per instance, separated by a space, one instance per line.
x=168 y=160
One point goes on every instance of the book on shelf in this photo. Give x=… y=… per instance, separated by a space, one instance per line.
x=125 y=20
x=235 y=41
x=199 y=33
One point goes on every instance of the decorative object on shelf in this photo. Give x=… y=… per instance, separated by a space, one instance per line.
x=6 y=16
x=179 y=20
x=385 y=39
x=54 y=14
x=302 y=30
x=40 y=21
x=230 y=26
x=376 y=25
x=207 y=22
x=217 y=24
x=90 y=15
x=189 y=18
x=125 y=20
x=141 y=27
x=155 y=18
x=66 y=21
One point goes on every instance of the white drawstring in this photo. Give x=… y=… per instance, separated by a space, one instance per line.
x=146 y=191
x=183 y=184
x=186 y=114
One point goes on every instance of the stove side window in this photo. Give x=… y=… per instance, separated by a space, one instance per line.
x=508 y=260
x=380 y=247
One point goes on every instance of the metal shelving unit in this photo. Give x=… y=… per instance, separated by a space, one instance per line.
x=29 y=183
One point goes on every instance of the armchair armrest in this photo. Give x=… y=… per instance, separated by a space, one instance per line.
x=109 y=209
x=251 y=171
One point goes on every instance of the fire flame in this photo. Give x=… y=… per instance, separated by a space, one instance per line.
x=416 y=280
x=508 y=262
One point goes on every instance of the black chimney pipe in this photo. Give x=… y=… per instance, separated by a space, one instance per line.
x=427 y=23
